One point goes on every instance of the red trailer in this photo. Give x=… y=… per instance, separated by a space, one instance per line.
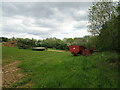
x=86 y=52
x=76 y=49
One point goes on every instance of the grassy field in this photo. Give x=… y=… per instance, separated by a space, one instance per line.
x=47 y=69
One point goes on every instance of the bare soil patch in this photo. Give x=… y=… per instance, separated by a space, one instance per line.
x=10 y=43
x=11 y=74
x=56 y=50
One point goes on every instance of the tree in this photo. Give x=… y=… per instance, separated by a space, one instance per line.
x=78 y=41
x=69 y=41
x=99 y=14
x=3 y=39
x=107 y=26
x=108 y=37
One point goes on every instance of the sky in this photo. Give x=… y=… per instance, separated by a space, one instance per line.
x=42 y=20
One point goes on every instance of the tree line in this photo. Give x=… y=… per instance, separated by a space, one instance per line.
x=52 y=42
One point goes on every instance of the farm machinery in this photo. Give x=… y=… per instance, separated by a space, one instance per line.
x=76 y=49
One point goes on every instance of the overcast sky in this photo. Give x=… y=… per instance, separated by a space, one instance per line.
x=42 y=20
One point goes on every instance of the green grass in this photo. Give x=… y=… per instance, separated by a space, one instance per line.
x=62 y=70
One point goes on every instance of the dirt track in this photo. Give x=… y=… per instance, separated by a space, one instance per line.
x=56 y=50
x=11 y=74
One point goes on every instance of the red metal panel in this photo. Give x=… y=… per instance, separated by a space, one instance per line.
x=76 y=49
x=86 y=52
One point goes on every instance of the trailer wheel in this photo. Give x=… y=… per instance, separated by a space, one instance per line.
x=80 y=52
x=74 y=54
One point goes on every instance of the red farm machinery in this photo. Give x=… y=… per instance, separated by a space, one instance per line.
x=76 y=49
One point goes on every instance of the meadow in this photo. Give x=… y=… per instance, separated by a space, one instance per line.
x=49 y=69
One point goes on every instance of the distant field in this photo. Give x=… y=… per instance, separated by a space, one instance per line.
x=48 y=69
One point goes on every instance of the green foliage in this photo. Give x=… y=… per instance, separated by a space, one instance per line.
x=108 y=38
x=74 y=41
x=26 y=43
x=99 y=14
x=88 y=41
x=62 y=70
x=54 y=43
x=3 y=39
x=105 y=23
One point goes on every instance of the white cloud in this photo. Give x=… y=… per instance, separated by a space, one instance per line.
x=20 y=35
x=71 y=34
x=44 y=20
x=80 y=13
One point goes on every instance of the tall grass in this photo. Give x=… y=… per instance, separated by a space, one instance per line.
x=62 y=70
